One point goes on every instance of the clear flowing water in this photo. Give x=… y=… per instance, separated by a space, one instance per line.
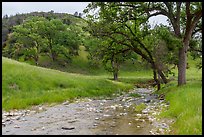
x=127 y=124
x=115 y=116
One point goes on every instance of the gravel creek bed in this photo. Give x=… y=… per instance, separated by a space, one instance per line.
x=91 y=117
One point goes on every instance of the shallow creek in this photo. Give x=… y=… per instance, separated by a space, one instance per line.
x=116 y=116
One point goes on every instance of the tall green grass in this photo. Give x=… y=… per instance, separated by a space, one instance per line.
x=185 y=108
x=185 y=103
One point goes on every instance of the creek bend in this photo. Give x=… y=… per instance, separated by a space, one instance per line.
x=114 y=116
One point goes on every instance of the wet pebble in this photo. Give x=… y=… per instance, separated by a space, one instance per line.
x=3 y=124
x=8 y=119
x=16 y=126
x=101 y=103
x=95 y=124
x=17 y=118
x=67 y=128
x=142 y=120
x=105 y=115
x=146 y=100
x=33 y=129
x=137 y=119
x=145 y=111
x=138 y=115
x=99 y=111
x=122 y=114
x=113 y=107
x=164 y=125
x=23 y=119
x=72 y=121
x=66 y=103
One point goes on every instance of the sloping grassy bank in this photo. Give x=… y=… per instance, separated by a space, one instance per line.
x=24 y=85
x=185 y=104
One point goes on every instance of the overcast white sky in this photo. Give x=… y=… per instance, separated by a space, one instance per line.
x=11 y=8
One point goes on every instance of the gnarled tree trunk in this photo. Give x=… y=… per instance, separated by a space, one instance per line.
x=182 y=66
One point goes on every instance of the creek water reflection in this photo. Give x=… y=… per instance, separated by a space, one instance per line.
x=127 y=124
x=124 y=120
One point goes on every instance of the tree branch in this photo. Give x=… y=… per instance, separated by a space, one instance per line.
x=141 y=44
x=159 y=10
x=188 y=13
x=196 y=17
x=171 y=13
x=178 y=11
x=134 y=48
x=191 y=24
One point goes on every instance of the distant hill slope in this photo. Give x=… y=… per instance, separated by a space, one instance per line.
x=25 y=85
x=9 y=22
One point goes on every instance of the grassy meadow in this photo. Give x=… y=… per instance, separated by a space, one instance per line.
x=24 y=85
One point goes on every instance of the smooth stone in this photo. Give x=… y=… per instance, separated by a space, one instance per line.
x=139 y=115
x=68 y=128
x=96 y=118
x=65 y=103
x=144 y=111
x=95 y=125
x=106 y=115
x=16 y=126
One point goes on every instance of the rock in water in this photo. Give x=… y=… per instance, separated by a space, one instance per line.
x=16 y=126
x=96 y=118
x=147 y=100
x=68 y=128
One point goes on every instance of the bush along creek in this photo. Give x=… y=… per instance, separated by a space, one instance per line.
x=135 y=112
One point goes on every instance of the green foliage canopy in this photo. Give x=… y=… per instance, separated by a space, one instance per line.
x=38 y=35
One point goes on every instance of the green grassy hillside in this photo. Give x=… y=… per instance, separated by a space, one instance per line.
x=24 y=85
x=185 y=102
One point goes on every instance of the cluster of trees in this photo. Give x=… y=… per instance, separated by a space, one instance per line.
x=108 y=53
x=13 y=20
x=126 y=25
x=38 y=35
x=115 y=32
